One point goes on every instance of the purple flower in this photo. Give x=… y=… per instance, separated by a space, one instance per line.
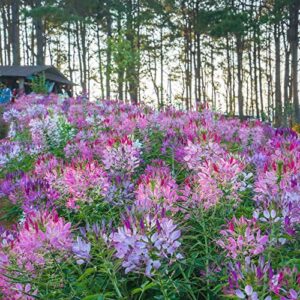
x=81 y=249
x=142 y=246
x=247 y=294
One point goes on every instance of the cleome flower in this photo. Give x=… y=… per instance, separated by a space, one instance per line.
x=215 y=180
x=41 y=232
x=242 y=237
x=156 y=187
x=121 y=156
x=42 y=236
x=81 y=249
x=144 y=244
x=81 y=177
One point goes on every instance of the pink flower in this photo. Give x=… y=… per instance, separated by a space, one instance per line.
x=79 y=178
x=242 y=238
x=214 y=181
x=41 y=232
x=121 y=156
x=156 y=187
x=42 y=235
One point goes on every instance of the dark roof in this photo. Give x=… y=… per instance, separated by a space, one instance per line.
x=51 y=73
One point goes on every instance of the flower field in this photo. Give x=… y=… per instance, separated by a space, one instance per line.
x=114 y=201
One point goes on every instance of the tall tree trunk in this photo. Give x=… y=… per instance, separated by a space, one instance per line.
x=69 y=52
x=260 y=78
x=229 y=79
x=161 y=68
x=278 y=102
x=239 y=52
x=213 y=98
x=233 y=103
x=198 y=69
x=1 y=47
x=269 y=72
x=40 y=36
x=251 y=84
x=120 y=64
x=100 y=64
x=138 y=30
x=82 y=27
x=5 y=36
x=286 y=98
x=32 y=47
x=294 y=43
x=131 y=69
x=108 y=51
x=79 y=55
x=27 y=43
x=15 y=34
x=9 y=35
x=255 y=78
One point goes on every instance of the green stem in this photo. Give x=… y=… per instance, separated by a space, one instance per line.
x=113 y=280
x=188 y=282
x=206 y=256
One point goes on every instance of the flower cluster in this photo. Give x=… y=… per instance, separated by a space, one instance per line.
x=156 y=187
x=121 y=156
x=142 y=245
x=277 y=185
x=196 y=154
x=10 y=151
x=79 y=178
x=243 y=238
x=215 y=180
x=42 y=236
x=51 y=132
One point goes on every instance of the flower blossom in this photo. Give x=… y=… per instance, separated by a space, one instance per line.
x=79 y=178
x=156 y=187
x=242 y=237
x=81 y=249
x=121 y=156
x=142 y=245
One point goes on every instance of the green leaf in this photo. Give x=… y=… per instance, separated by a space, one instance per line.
x=94 y=297
x=87 y=273
x=146 y=286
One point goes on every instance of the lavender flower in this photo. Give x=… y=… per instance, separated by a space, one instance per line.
x=81 y=249
x=143 y=245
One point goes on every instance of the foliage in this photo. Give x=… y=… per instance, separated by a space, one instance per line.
x=38 y=84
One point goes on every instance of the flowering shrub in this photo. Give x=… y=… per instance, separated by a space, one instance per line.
x=10 y=151
x=42 y=236
x=216 y=180
x=184 y=205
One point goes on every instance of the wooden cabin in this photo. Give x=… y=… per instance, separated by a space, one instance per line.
x=20 y=77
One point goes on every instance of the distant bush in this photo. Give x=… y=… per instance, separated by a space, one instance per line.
x=38 y=84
